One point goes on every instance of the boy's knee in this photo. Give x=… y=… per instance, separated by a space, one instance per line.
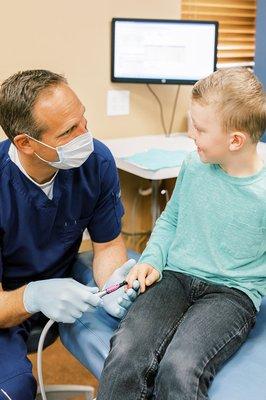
x=19 y=387
x=125 y=343
x=182 y=367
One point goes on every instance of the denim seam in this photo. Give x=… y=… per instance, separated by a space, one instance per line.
x=219 y=350
x=91 y=331
x=192 y=292
x=157 y=352
x=252 y=312
x=15 y=376
x=144 y=385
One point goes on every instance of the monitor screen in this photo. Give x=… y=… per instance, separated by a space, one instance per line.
x=162 y=51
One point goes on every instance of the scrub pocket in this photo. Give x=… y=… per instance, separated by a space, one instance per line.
x=242 y=241
x=73 y=230
x=118 y=208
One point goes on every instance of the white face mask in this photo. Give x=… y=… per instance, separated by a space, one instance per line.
x=72 y=154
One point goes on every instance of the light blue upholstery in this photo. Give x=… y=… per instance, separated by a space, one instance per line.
x=243 y=377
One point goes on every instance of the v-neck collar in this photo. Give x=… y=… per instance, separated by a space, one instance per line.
x=34 y=192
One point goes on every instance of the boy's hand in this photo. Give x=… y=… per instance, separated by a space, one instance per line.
x=118 y=302
x=145 y=274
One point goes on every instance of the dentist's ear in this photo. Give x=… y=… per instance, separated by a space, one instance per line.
x=23 y=144
x=237 y=140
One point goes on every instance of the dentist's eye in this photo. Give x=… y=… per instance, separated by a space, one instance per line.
x=70 y=130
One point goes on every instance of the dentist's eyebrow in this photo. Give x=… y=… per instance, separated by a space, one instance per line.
x=72 y=127
x=68 y=131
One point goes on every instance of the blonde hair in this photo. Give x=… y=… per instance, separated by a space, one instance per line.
x=239 y=99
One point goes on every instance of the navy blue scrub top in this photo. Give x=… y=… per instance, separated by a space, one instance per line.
x=40 y=238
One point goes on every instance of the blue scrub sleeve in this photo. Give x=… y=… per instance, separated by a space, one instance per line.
x=105 y=224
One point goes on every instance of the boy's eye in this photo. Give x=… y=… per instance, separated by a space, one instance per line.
x=199 y=130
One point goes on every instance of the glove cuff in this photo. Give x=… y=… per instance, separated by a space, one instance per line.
x=29 y=300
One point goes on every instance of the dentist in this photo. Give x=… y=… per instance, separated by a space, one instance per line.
x=55 y=181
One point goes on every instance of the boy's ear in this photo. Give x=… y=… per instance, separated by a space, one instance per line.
x=237 y=140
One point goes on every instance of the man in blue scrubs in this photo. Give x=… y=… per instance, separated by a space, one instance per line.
x=55 y=182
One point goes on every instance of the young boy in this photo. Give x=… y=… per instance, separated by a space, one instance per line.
x=207 y=252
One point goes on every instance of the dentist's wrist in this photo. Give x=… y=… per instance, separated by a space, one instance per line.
x=29 y=298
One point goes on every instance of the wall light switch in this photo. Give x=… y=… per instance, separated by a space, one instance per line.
x=118 y=102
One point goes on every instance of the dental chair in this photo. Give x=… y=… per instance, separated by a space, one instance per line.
x=242 y=377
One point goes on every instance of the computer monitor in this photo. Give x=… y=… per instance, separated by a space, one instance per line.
x=162 y=51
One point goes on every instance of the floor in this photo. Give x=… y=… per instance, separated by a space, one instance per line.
x=60 y=367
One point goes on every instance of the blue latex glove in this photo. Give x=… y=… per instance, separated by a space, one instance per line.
x=118 y=302
x=61 y=299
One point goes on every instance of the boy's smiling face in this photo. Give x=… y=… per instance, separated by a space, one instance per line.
x=205 y=128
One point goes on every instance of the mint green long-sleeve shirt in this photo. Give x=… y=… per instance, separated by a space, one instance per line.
x=214 y=228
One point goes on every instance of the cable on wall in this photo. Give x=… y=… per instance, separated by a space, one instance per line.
x=166 y=132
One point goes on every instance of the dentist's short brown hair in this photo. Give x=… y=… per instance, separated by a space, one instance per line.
x=18 y=96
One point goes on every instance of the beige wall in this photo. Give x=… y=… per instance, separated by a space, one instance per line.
x=73 y=38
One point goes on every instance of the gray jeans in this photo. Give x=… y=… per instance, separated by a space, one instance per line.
x=173 y=340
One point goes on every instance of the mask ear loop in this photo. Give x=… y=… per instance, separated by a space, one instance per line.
x=47 y=145
x=38 y=141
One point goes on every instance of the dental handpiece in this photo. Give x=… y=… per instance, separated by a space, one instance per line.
x=111 y=289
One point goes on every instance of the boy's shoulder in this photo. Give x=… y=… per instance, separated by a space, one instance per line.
x=193 y=162
x=193 y=168
x=193 y=158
